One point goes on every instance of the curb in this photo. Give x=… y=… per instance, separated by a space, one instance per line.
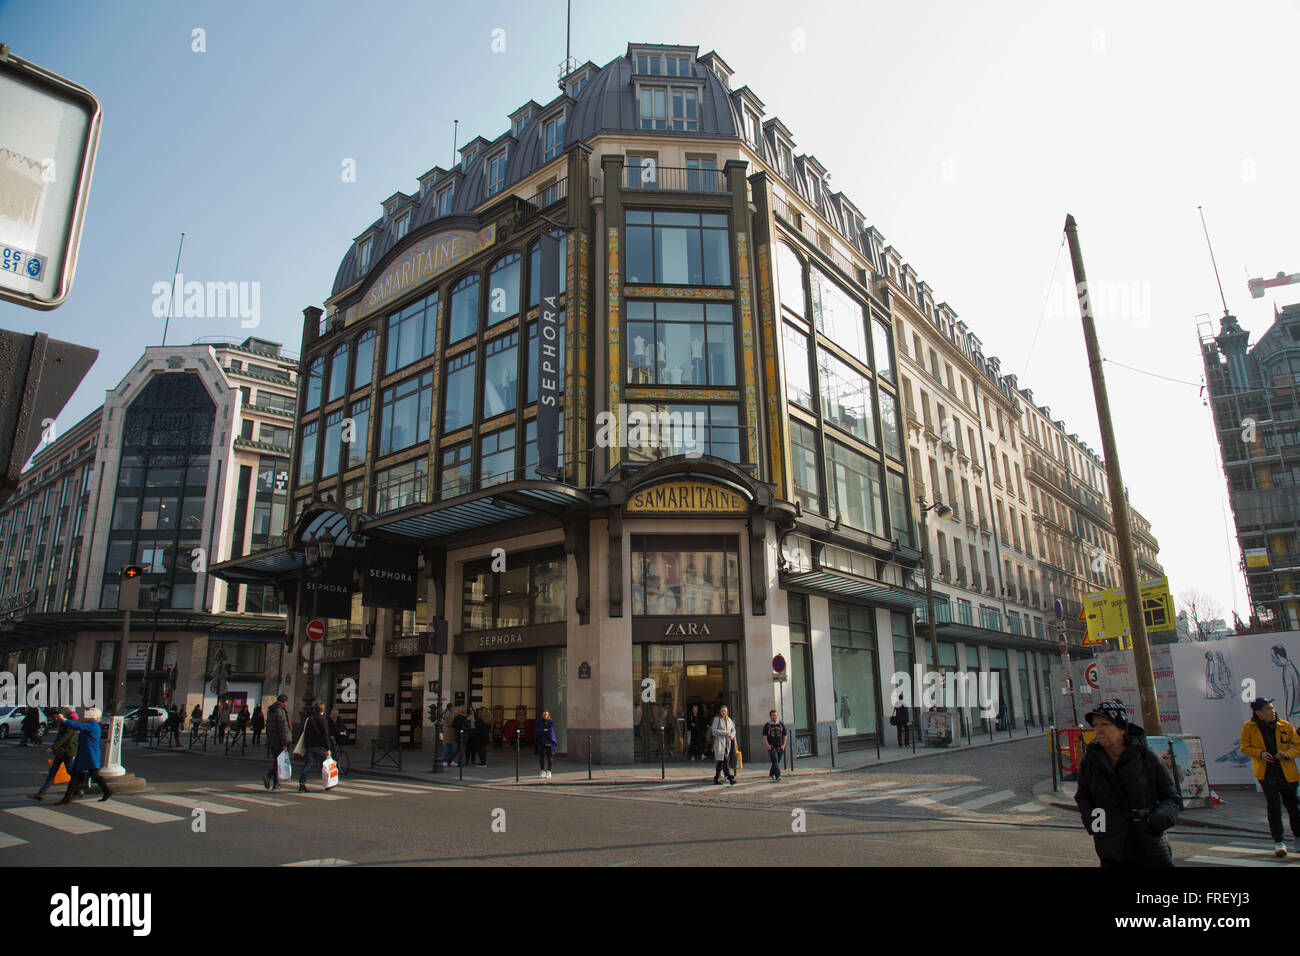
x=1044 y=794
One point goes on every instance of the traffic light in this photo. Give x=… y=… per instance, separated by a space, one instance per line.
x=433 y=713
x=128 y=587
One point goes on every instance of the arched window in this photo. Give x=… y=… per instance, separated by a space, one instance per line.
x=503 y=289
x=338 y=383
x=365 y=367
x=464 y=309
x=314 y=373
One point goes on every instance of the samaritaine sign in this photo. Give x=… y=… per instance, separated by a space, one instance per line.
x=686 y=497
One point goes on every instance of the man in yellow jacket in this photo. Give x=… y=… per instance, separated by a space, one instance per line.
x=1273 y=748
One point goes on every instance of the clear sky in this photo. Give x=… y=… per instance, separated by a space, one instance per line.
x=964 y=132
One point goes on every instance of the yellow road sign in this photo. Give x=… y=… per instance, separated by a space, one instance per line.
x=1107 y=612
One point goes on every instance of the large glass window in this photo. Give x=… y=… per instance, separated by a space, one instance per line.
x=497 y=457
x=853 y=669
x=681 y=343
x=662 y=430
x=803 y=463
x=838 y=316
x=501 y=375
x=531 y=592
x=401 y=486
x=314 y=373
x=846 y=397
x=889 y=425
x=790 y=278
x=554 y=138
x=411 y=333
x=457 y=470
x=459 y=410
x=405 y=414
x=900 y=512
x=358 y=448
x=307 y=454
x=854 y=482
x=503 y=289
x=535 y=270
x=329 y=464
x=338 y=383
x=798 y=380
x=880 y=345
x=530 y=446
x=677 y=248
x=464 y=309
x=365 y=366
x=685 y=575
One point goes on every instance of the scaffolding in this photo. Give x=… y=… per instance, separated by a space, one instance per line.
x=1258 y=430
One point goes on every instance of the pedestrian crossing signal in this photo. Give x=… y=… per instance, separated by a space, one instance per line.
x=133 y=570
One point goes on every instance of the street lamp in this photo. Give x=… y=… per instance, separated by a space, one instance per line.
x=943 y=511
x=317 y=553
x=159 y=599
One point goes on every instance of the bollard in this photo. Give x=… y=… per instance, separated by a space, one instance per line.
x=662 y=769
x=967 y=723
x=913 y=734
x=1051 y=754
x=460 y=757
x=877 y=746
x=1009 y=723
x=588 y=756
x=830 y=734
x=517 y=736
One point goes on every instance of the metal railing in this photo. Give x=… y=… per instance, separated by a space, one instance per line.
x=675 y=179
x=544 y=197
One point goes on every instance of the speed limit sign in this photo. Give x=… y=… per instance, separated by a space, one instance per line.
x=1090 y=675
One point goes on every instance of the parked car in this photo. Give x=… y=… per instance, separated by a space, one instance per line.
x=11 y=721
x=157 y=717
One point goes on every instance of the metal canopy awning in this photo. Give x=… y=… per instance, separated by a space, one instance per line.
x=507 y=502
x=850 y=586
x=31 y=626
x=287 y=559
x=950 y=629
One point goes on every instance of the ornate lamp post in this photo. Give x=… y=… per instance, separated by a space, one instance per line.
x=160 y=598
x=318 y=553
x=943 y=511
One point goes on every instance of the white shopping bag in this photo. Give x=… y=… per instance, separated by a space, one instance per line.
x=283 y=765
x=329 y=773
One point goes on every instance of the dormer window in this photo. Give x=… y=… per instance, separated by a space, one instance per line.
x=496 y=173
x=577 y=86
x=553 y=137
x=787 y=160
x=755 y=128
x=520 y=124
x=653 y=64
x=444 y=200
x=363 y=256
x=403 y=224
x=654 y=108
x=469 y=159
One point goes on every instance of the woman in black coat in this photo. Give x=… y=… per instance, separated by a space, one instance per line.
x=1126 y=794
x=482 y=733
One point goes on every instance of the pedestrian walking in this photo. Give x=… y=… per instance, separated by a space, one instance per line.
x=1126 y=794
x=86 y=763
x=196 y=718
x=257 y=722
x=901 y=718
x=471 y=736
x=546 y=743
x=415 y=721
x=459 y=727
x=317 y=740
x=724 y=744
x=697 y=724
x=450 y=742
x=64 y=750
x=482 y=733
x=774 y=735
x=31 y=726
x=279 y=737
x=214 y=723
x=1273 y=748
x=173 y=726
x=338 y=729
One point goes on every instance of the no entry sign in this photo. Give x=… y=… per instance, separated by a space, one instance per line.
x=316 y=630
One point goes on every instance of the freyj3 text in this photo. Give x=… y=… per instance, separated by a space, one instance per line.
x=78 y=909
x=952 y=689
x=75 y=689
x=210 y=300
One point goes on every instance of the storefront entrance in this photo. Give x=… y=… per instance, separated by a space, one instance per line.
x=677 y=690
x=410 y=712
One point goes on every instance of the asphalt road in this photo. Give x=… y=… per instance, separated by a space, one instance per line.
x=957 y=809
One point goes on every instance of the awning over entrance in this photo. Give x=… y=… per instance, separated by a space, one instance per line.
x=836 y=583
x=949 y=630
x=316 y=522
x=507 y=502
x=37 y=626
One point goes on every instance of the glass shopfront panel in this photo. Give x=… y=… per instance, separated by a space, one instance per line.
x=855 y=673
x=691 y=682
x=683 y=575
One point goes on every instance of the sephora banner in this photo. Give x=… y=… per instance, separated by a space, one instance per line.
x=1216 y=682
x=549 y=374
x=390 y=578
x=330 y=595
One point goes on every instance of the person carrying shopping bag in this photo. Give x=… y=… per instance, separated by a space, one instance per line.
x=64 y=750
x=724 y=744
x=86 y=763
x=279 y=732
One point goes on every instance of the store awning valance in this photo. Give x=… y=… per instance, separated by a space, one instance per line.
x=834 y=582
x=505 y=503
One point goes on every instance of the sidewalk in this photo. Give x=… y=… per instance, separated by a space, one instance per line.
x=1242 y=808
x=500 y=772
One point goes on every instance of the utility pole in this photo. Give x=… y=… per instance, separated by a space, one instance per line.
x=1118 y=500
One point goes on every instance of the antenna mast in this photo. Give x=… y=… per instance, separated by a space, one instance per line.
x=172 y=298
x=1212 y=262
x=455 y=134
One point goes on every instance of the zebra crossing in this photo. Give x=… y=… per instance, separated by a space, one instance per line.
x=851 y=794
x=1247 y=853
x=92 y=816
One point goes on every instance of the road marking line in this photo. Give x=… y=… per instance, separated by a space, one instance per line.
x=1226 y=861
x=58 y=820
x=1237 y=848
x=932 y=802
x=247 y=798
x=1033 y=806
x=840 y=794
x=986 y=800
x=130 y=810
x=189 y=803
x=328 y=861
x=902 y=791
x=7 y=840
x=395 y=787
x=364 y=791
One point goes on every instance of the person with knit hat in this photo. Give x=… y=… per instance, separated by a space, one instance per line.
x=1272 y=747
x=1126 y=794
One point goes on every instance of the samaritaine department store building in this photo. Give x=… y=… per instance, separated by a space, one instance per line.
x=627 y=481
